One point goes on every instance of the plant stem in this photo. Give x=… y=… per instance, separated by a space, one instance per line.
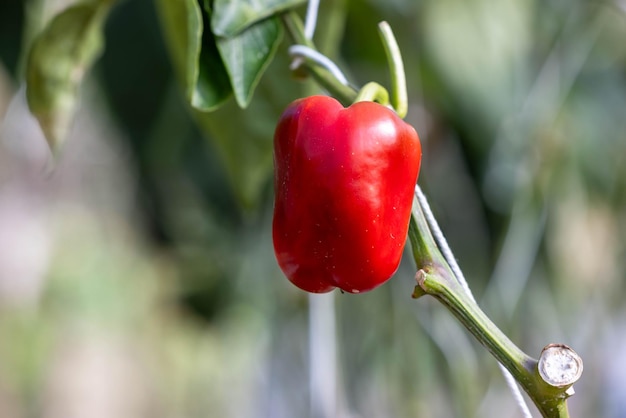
x=373 y=92
x=345 y=94
x=475 y=320
x=435 y=278
x=399 y=98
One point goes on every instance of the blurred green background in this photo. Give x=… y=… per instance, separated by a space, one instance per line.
x=137 y=278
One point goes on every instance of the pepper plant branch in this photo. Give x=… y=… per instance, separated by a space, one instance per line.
x=442 y=244
x=440 y=240
x=435 y=278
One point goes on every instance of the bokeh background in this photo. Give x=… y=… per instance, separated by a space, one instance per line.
x=137 y=277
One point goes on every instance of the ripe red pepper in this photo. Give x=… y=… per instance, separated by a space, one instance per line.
x=344 y=184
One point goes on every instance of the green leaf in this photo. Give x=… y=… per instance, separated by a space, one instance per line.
x=231 y=17
x=213 y=86
x=248 y=54
x=194 y=53
x=58 y=59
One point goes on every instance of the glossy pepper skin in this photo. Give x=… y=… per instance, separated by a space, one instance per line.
x=344 y=184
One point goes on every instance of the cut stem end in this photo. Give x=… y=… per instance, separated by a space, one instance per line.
x=559 y=365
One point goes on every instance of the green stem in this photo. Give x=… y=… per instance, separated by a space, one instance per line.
x=345 y=94
x=399 y=98
x=435 y=278
x=373 y=92
x=451 y=294
x=423 y=245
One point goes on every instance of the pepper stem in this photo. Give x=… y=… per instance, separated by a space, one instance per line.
x=373 y=92
x=399 y=98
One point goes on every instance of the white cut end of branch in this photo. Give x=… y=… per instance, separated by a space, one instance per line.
x=559 y=365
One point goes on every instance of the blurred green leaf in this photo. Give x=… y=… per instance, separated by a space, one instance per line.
x=248 y=54
x=59 y=57
x=230 y=17
x=195 y=54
